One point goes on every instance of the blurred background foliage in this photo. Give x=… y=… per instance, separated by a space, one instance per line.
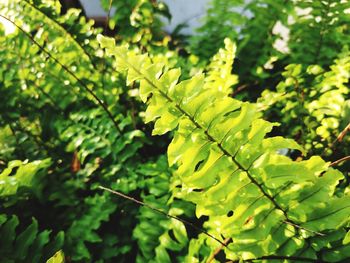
x=69 y=124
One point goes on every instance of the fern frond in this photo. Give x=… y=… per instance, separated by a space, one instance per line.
x=164 y=235
x=28 y=245
x=219 y=73
x=267 y=203
x=91 y=133
x=328 y=104
x=85 y=226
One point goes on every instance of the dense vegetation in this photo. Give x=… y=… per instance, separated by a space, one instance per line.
x=246 y=159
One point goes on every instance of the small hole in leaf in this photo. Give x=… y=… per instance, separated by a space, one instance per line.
x=197 y=190
x=198 y=165
x=171 y=235
x=14 y=171
x=149 y=97
x=230 y=213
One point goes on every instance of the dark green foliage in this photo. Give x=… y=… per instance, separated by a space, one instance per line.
x=97 y=209
x=157 y=236
x=20 y=243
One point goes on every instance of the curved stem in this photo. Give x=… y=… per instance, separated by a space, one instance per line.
x=335 y=163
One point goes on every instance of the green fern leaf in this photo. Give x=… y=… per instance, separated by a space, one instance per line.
x=233 y=174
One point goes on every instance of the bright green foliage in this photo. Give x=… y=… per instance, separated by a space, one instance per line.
x=57 y=258
x=328 y=105
x=19 y=175
x=267 y=203
x=219 y=73
x=317 y=103
x=69 y=124
x=28 y=244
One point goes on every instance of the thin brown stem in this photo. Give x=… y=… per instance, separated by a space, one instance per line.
x=335 y=163
x=239 y=89
x=162 y=212
x=342 y=134
x=339 y=138
x=300 y=227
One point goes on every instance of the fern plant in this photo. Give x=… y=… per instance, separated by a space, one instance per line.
x=158 y=237
x=320 y=31
x=49 y=112
x=30 y=244
x=19 y=180
x=316 y=103
x=269 y=205
x=65 y=107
